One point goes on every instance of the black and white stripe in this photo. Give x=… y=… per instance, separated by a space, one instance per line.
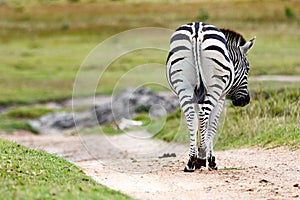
x=205 y=64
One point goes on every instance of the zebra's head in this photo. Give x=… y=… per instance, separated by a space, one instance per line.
x=238 y=49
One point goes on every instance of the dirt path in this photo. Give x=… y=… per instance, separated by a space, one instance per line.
x=147 y=169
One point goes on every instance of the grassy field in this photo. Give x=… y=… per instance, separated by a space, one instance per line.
x=31 y=174
x=40 y=55
x=270 y=120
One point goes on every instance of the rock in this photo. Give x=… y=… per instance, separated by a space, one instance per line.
x=127 y=104
x=132 y=102
x=46 y=123
x=127 y=123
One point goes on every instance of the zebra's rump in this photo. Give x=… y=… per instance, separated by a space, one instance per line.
x=198 y=59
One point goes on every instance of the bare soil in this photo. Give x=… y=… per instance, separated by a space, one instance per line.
x=144 y=168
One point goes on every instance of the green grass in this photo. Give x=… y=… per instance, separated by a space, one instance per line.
x=28 y=112
x=270 y=120
x=231 y=168
x=32 y=174
x=16 y=118
x=40 y=70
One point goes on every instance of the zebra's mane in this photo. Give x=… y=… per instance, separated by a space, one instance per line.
x=233 y=38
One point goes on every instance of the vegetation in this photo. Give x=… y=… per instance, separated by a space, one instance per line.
x=271 y=119
x=289 y=13
x=16 y=118
x=31 y=174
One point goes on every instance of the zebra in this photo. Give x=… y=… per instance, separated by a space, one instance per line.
x=204 y=66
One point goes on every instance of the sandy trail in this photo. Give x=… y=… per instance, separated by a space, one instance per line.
x=147 y=169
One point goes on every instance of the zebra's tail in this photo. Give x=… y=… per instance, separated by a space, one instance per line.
x=200 y=89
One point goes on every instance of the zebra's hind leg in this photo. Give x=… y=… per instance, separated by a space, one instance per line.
x=211 y=133
x=202 y=150
x=192 y=122
x=212 y=163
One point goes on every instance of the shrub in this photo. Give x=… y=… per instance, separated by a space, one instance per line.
x=289 y=13
x=203 y=15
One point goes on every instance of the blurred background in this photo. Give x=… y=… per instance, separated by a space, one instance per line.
x=44 y=42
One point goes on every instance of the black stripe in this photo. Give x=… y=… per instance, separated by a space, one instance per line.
x=208 y=102
x=188 y=108
x=176 y=71
x=185 y=103
x=217 y=93
x=185 y=96
x=196 y=29
x=180 y=36
x=219 y=49
x=185 y=28
x=212 y=97
x=220 y=64
x=179 y=48
x=176 y=81
x=220 y=77
x=181 y=90
x=176 y=60
x=205 y=118
x=214 y=36
x=206 y=108
x=192 y=112
x=216 y=86
x=210 y=28
x=170 y=54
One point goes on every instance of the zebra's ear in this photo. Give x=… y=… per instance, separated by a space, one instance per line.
x=246 y=47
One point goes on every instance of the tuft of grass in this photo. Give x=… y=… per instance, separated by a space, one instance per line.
x=203 y=15
x=107 y=129
x=8 y=125
x=231 y=168
x=32 y=174
x=28 y=112
x=289 y=13
x=142 y=108
x=74 y=1
x=16 y=118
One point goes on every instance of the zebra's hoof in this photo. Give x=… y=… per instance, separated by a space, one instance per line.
x=186 y=169
x=200 y=163
x=191 y=165
x=212 y=163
